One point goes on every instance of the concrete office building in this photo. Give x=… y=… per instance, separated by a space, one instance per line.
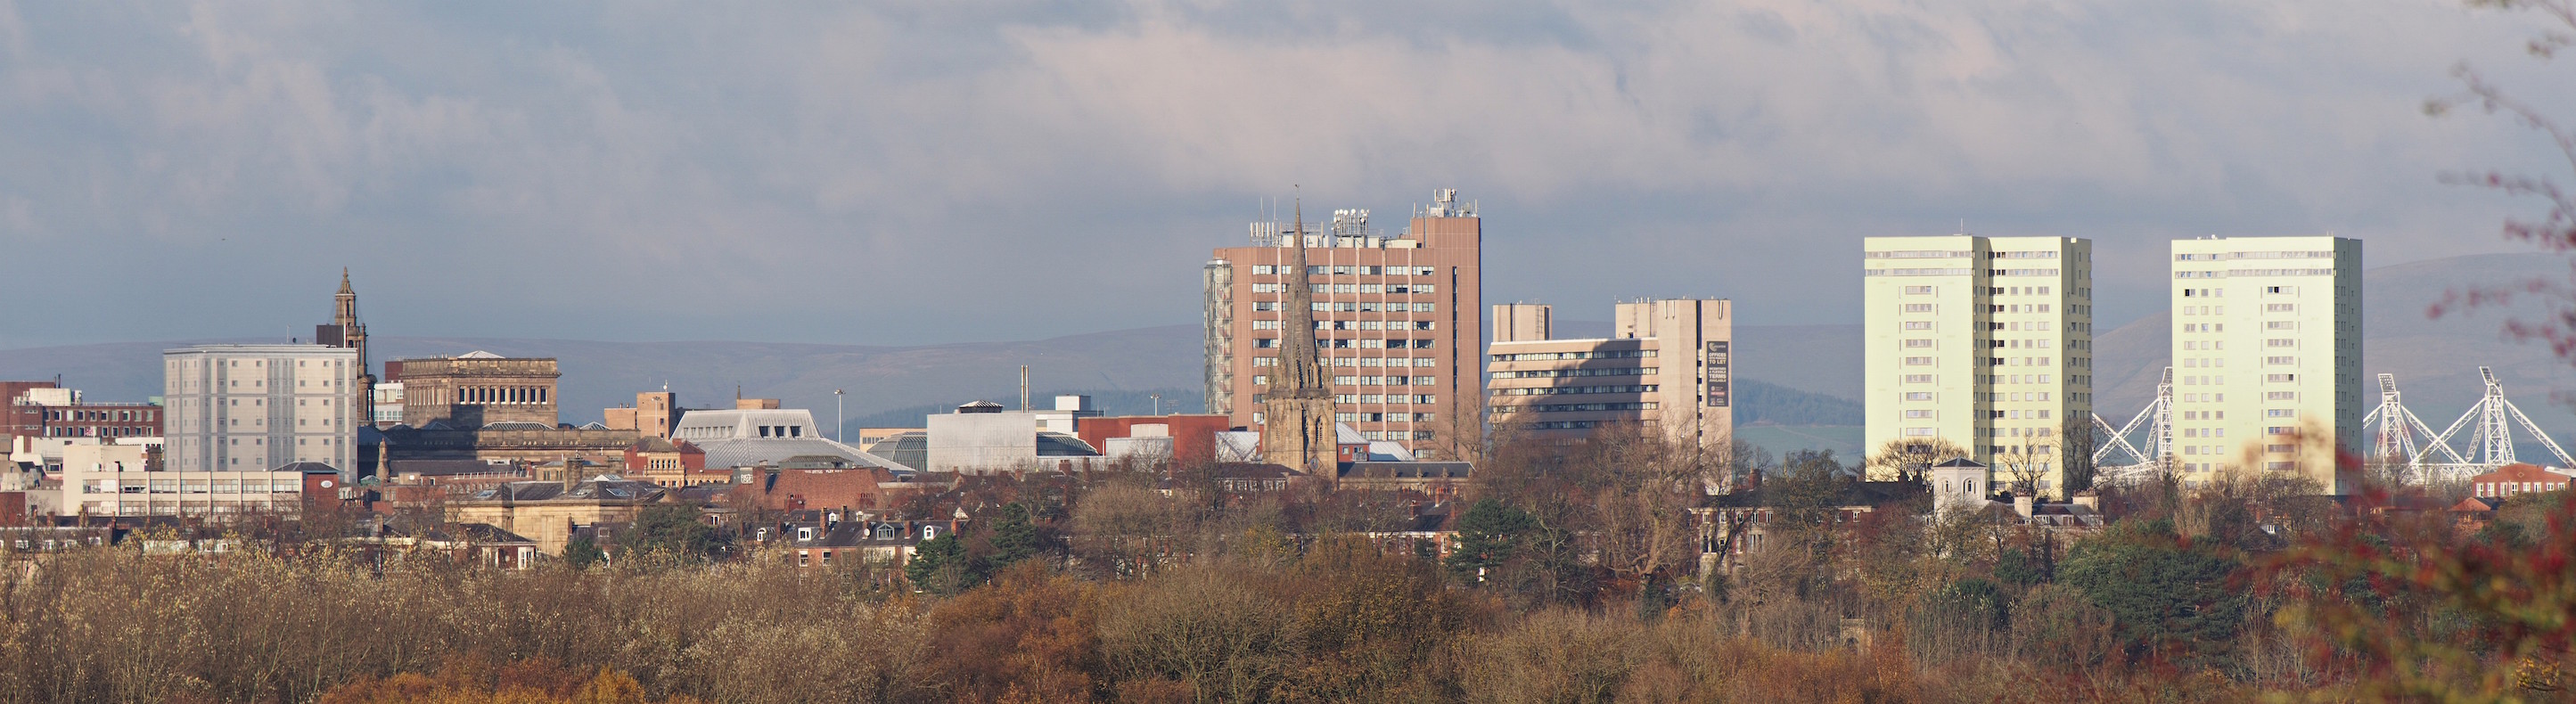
x=2266 y=346
x=1985 y=342
x=1398 y=320
x=117 y=480
x=253 y=408
x=1669 y=366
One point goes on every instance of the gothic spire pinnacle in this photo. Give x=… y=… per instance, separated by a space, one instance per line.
x=344 y=283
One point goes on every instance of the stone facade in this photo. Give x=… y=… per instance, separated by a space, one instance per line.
x=478 y=389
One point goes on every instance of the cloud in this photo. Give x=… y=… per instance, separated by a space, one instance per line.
x=919 y=172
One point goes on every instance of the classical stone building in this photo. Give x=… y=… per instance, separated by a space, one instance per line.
x=515 y=444
x=478 y=389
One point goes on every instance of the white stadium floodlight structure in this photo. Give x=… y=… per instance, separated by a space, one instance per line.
x=2491 y=424
x=2142 y=461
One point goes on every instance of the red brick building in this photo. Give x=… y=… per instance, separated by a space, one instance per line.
x=798 y=489
x=2513 y=479
x=1193 y=436
x=44 y=409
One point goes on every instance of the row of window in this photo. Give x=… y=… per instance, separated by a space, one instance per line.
x=1382 y=417
x=1386 y=398
x=1350 y=270
x=1347 y=344
x=1917 y=272
x=2326 y=254
x=1353 y=325
x=1555 y=390
x=1562 y=356
x=1355 y=361
x=191 y=486
x=95 y=431
x=1385 y=381
x=1575 y=407
x=1565 y=373
x=79 y=415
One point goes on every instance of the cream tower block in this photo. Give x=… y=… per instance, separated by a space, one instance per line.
x=1985 y=342
x=2266 y=354
x=255 y=408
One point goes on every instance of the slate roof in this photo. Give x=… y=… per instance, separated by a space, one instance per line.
x=307 y=468
x=1406 y=470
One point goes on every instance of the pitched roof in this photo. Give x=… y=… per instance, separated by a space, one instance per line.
x=745 y=452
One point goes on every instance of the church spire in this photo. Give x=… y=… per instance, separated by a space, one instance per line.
x=1301 y=369
x=1297 y=405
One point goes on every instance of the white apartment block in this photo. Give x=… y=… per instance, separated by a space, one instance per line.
x=1986 y=342
x=2266 y=347
x=254 y=408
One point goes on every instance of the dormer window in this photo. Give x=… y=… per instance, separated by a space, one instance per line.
x=804 y=533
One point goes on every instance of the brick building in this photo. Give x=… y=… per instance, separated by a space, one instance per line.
x=1398 y=320
x=1185 y=439
x=41 y=409
x=2514 y=479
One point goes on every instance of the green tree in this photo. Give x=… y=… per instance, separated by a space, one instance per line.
x=1013 y=538
x=674 y=530
x=2167 y=596
x=1490 y=534
x=582 y=552
x=941 y=566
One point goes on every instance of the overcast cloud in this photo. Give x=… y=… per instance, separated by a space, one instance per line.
x=933 y=171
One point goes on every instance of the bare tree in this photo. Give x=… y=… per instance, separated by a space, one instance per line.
x=1910 y=459
x=2080 y=440
x=2027 y=463
x=1647 y=483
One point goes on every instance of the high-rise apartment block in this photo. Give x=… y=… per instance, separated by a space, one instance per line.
x=1398 y=320
x=252 y=408
x=1985 y=342
x=1668 y=366
x=2266 y=354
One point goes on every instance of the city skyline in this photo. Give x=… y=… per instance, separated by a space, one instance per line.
x=234 y=150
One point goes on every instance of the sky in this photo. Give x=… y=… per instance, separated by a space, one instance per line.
x=906 y=173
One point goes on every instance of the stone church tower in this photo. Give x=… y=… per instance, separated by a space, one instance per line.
x=345 y=331
x=1297 y=406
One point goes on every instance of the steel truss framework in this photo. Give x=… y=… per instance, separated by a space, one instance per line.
x=2398 y=437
